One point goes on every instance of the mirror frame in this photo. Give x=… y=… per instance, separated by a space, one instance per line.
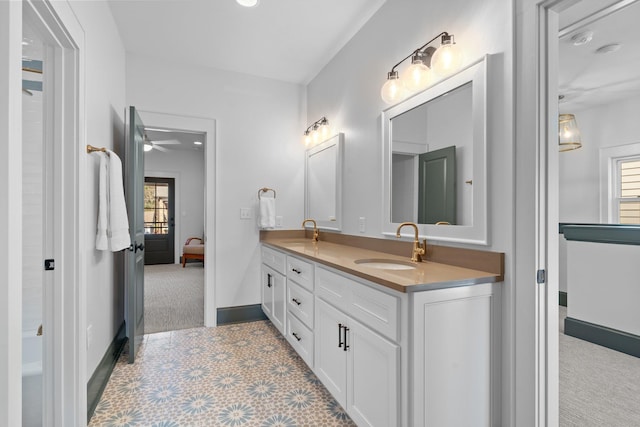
x=336 y=140
x=476 y=233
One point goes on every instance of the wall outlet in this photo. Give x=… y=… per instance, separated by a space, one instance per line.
x=362 y=224
x=89 y=336
x=245 y=213
x=278 y=221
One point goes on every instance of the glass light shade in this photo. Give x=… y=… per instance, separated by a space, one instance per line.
x=306 y=138
x=324 y=131
x=247 y=3
x=416 y=77
x=315 y=136
x=148 y=146
x=568 y=133
x=447 y=59
x=393 y=90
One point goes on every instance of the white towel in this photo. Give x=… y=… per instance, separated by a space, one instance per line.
x=267 y=213
x=102 y=242
x=113 y=223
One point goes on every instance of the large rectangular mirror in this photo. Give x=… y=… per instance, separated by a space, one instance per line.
x=434 y=153
x=323 y=183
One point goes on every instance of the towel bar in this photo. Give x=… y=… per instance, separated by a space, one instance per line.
x=266 y=189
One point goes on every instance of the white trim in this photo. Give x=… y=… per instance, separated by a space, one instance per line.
x=11 y=214
x=608 y=155
x=68 y=404
x=176 y=207
x=208 y=127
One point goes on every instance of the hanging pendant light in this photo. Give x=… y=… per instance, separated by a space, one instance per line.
x=568 y=133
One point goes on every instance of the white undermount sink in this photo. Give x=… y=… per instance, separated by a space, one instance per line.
x=386 y=264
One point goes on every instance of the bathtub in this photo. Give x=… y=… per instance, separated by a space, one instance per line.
x=31 y=379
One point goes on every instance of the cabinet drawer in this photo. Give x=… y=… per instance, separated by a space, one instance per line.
x=274 y=259
x=300 y=271
x=301 y=339
x=300 y=303
x=374 y=308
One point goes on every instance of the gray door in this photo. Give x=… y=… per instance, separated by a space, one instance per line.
x=159 y=220
x=134 y=264
x=437 y=186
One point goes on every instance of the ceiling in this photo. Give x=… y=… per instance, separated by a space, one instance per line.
x=288 y=40
x=166 y=140
x=587 y=78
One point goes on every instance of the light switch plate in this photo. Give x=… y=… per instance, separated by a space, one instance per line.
x=245 y=213
x=278 y=221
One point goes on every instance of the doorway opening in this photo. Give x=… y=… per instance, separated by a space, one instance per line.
x=599 y=88
x=174 y=224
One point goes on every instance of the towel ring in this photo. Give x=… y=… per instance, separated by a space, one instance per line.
x=266 y=189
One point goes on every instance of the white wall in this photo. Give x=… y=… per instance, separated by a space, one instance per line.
x=259 y=125
x=347 y=91
x=603 y=126
x=187 y=167
x=105 y=89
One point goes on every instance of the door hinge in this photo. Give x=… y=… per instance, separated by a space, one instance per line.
x=541 y=276
x=49 y=264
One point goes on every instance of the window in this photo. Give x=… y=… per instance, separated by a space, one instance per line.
x=628 y=190
x=156 y=206
x=620 y=184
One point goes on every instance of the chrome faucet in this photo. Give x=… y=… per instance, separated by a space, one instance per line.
x=418 y=249
x=316 y=233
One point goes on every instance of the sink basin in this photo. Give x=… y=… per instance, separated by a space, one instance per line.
x=386 y=264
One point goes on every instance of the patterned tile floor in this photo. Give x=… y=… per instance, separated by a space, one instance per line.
x=234 y=375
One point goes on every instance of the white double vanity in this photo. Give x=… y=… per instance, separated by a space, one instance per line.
x=413 y=346
x=400 y=343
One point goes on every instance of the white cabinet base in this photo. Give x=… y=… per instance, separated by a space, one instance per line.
x=455 y=368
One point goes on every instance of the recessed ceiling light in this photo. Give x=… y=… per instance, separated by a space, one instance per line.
x=608 y=48
x=583 y=37
x=197 y=142
x=247 y=3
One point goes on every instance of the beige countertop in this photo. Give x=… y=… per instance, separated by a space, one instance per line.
x=426 y=275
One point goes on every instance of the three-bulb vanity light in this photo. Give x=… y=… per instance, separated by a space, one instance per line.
x=443 y=61
x=316 y=132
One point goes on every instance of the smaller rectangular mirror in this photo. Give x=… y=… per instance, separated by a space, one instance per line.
x=323 y=183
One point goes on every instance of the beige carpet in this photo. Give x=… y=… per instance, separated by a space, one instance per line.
x=598 y=386
x=173 y=297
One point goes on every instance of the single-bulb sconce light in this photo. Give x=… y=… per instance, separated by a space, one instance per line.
x=568 y=133
x=444 y=60
x=316 y=132
x=148 y=145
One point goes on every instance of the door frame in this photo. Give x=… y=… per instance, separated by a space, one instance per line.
x=62 y=32
x=537 y=35
x=206 y=126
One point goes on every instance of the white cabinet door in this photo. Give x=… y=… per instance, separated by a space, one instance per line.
x=330 y=357
x=279 y=302
x=274 y=294
x=267 y=290
x=373 y=377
